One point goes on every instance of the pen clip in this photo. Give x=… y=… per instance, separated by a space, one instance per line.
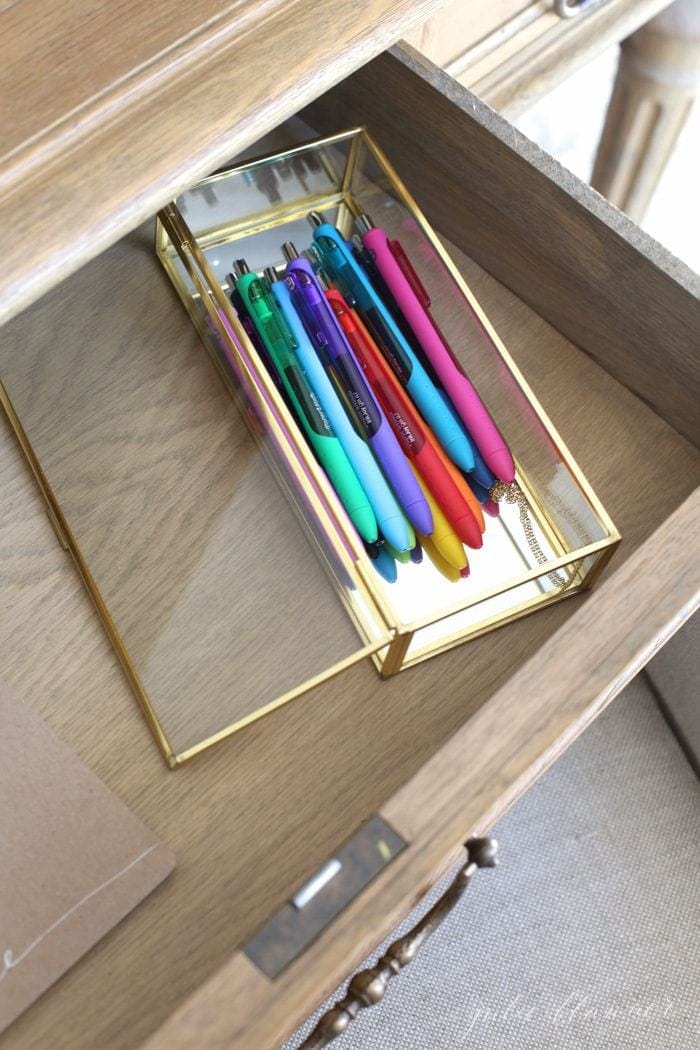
x=409 y=273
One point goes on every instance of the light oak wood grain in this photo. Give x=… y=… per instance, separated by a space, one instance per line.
x=448 y=799
x=511 y=53
x=252 y=819
x=524 y=74
x=577 y=260
x=295 y=785
x=112 y=109
x=457 y=26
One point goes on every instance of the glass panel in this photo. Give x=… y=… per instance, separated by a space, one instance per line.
x=551 y=483
x=232 y=586
x=514 y=602
x=217 y=594
x=555 y=517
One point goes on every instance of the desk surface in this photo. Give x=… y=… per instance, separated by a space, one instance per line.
x=117 y=107
x=251 y=820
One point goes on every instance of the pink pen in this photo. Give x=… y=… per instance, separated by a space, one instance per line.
x=414 y=303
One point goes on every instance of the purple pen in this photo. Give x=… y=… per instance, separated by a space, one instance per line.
x=318 y=317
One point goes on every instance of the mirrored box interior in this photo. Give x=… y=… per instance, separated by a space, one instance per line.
x=549 y=543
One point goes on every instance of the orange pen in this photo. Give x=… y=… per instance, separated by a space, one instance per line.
x=414 y=436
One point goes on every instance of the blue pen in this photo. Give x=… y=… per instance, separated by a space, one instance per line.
x=385 y=565
x=338 y=358
x=482 y=474
x=340 y=262
x=382 y=500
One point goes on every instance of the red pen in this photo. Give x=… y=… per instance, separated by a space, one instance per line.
x=406 y=424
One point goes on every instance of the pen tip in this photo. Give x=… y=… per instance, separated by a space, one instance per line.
x=240 y=267
x=315 y=218
x=364 y=223
x=289 y=251
x=271 y=274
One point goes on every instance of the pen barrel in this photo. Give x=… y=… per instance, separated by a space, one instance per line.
x=461 y=392
x=381 y=498
x=391 y=459
x=451 y=501
x=409 y=371
x=415 y=438
x=384 y=442
x=461 y=485
x=353 y=281
x=312 y=418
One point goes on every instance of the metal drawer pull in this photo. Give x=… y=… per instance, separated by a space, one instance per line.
x=571 y=8
x=368 y=987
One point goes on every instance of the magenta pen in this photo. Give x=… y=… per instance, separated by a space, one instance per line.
x=414 y=303
x=337 y=356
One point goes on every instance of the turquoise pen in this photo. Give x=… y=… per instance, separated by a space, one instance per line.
x=279 y=343
x=388 y=513
x=340 y=263
x=384 y=563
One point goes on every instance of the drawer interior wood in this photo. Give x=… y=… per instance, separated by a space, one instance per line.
x=253 y=818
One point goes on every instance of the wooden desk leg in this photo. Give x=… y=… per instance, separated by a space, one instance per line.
x=656 y=83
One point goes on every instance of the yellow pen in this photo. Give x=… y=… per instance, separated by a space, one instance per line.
x=444 y=538
x=440 y=563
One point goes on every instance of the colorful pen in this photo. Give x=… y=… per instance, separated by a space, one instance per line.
x=251 y=331
x=401 y=556
x=381 y=498
x=444 y=537
x=345 y=271
x=481 y=472
x=441 y=564
x=366 y=260
x=337 y=356
x=414 y=303
x=488 y=505
x=410 y=430
x=279 y=343
x=384 y=564
x=417 y=553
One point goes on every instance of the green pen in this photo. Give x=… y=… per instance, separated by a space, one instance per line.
x=279 y=343
x=403 y=556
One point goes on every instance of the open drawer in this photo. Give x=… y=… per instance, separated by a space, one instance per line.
x=604 y=324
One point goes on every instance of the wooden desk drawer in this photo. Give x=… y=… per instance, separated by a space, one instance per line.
x=604 y=324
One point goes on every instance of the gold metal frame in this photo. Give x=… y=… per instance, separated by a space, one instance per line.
x=393 y=656
x=386 y=640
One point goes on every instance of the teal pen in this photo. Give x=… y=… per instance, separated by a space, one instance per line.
x=384 y=563
x=382 y=500
x=279 y=343
x=340 y=263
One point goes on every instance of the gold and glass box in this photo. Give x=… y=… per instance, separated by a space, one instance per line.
x=240 y=582
x=548 y=538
